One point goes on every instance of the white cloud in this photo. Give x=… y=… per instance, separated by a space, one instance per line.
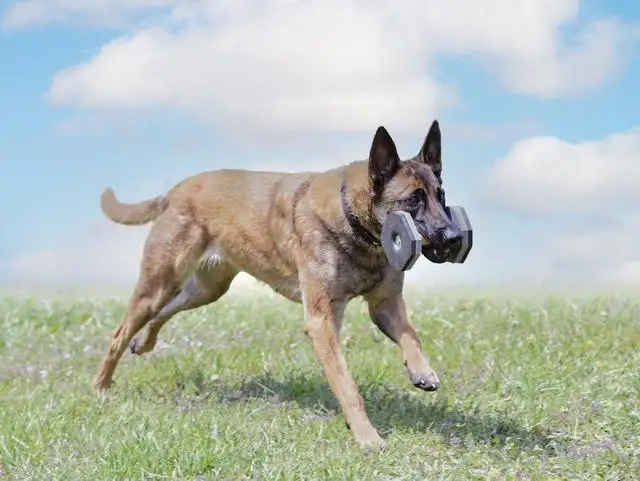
x=248 y=72
x=324 y=65
x=603 y=250
x=582 y=198
x=604 y=239
x=547 y=175
x=568 y=70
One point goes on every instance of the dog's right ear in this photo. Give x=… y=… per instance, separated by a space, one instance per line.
x=384 y=160
x=431 y=151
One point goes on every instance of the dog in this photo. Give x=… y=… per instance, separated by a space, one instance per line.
x=313 y=237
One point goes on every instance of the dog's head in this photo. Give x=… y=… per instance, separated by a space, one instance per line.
x=413 y=186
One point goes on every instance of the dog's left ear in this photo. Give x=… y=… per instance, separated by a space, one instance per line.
x=431 y=151
x=384 y=160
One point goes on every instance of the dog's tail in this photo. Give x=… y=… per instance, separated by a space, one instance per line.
x=131 y=214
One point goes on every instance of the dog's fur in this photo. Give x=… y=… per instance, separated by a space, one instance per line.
x=312 y=237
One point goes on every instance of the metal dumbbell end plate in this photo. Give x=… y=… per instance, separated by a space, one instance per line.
x=401 y=240
x=459 y=217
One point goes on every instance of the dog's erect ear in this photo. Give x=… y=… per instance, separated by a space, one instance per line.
x=384 y=160
x=431 y=151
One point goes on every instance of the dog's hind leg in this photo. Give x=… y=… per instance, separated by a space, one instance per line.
x=174 y=245
x=205 y=286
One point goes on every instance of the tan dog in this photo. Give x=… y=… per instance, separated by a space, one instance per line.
x=313 y=237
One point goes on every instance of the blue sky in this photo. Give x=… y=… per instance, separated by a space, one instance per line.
x=65 y=135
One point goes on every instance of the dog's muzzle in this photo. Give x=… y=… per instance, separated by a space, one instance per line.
x=455 y=247
x=403 y=244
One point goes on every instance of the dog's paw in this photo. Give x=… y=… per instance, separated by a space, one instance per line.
x=427 y=382
x=370 y=441
x=372 y=444
x=101 y=389
x=136 y=346
x=102 y=396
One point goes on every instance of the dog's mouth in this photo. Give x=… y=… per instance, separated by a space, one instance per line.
x=436 y=248
x=437 y=255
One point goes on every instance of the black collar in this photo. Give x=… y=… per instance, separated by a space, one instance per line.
x=358 y=229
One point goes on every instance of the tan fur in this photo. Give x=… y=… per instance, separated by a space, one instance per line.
x=289 y=231
x=130 y=214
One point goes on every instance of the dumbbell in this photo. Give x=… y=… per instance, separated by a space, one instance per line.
x=403 y=244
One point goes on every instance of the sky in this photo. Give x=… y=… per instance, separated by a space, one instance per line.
x=537 y=102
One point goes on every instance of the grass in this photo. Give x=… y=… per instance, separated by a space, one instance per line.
x=531 y=389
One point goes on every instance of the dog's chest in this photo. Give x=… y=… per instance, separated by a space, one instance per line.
x=351 y=284
x=347 y=276
x=356 y=282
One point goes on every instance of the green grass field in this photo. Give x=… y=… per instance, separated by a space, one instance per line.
x=544 y=388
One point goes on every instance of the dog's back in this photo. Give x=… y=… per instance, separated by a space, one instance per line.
x=254 y=221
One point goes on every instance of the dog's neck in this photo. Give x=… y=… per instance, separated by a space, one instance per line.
x=358 y=228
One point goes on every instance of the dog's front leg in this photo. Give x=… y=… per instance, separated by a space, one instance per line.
x=323 y=319
x=389 y=314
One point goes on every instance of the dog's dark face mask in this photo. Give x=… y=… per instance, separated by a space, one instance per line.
x=413 y=186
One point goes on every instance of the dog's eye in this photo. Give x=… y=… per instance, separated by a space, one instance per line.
x=416 y=197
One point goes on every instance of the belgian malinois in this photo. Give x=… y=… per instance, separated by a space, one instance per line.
x=313 y=237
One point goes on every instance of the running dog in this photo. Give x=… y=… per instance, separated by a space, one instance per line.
x=313 y=237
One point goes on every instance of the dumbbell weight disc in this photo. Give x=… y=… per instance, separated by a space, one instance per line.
x=401 y=240
x=458 y=216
